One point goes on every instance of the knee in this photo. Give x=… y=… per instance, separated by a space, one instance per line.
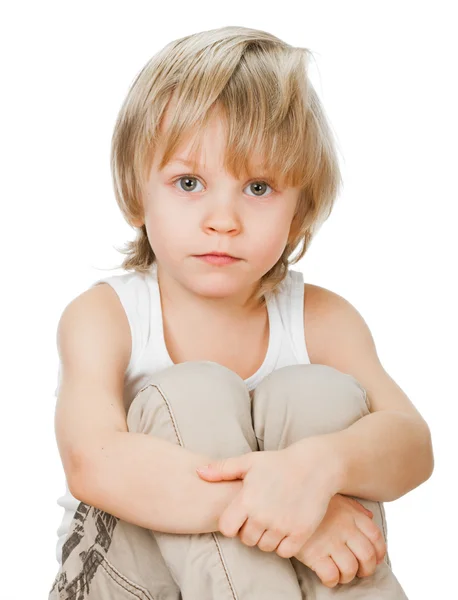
x=197 y=374
x=189 y=389
x=322 y=397
x=199 y=405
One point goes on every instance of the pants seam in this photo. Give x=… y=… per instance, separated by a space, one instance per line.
x=169 y=409
x=180 y=441
x=385 y=532
x=107 y=566
x=223 y=563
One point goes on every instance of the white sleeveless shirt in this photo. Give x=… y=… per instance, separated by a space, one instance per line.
x=140 y=298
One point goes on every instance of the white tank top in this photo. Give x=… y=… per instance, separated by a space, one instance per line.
x=140 y=298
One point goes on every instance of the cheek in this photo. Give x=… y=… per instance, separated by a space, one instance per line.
x=267 y=246
x=168 y=231
x=272 y=231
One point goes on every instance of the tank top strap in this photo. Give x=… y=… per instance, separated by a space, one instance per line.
x=274 y=346
x=162 y=358
x=290 y=300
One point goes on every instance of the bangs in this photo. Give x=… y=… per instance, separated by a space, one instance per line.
x=266 y=119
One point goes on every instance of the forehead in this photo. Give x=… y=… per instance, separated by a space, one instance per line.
x=205 y=147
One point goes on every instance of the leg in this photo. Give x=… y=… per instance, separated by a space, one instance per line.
x=206 y=407
x=105 y=558
x=299 y=401
x=195 y=404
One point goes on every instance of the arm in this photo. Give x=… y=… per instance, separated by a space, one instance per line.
x=139 y=478
x=381 y=457
x=384 y=454
x=397 y=455
x=152 y=483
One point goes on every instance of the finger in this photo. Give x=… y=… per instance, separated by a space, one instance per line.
x=232 y=518
x=365 y=553
x=289 y=546
x=373 y=533
x=270 y=540
x=250 y=533
x=227 y=469
x=346 y=562
x=361 y=507
x=327 y=570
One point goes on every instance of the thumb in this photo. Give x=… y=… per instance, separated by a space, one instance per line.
x=226 y=469
x=361 y=507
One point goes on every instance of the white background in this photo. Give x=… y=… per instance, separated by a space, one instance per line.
x=386 y=73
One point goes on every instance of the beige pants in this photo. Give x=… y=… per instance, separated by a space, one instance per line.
x=207 y=408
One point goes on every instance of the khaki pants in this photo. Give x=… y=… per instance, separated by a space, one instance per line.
x=207 y=408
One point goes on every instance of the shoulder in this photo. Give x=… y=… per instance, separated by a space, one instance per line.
x=101 y=301
x=129 y=296
x=336 y=331
x=338 y=336
x=127 y=290
x=94 y=321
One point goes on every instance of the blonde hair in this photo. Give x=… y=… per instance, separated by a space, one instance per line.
x=270 y=107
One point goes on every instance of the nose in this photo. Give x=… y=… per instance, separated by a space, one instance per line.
x=221 y=217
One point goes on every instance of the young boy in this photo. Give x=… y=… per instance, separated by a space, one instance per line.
x=213 y=350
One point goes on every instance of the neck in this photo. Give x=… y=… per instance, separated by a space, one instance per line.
x=237 y=306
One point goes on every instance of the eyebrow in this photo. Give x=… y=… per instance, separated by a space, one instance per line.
x=183 y=161
x=178 y=160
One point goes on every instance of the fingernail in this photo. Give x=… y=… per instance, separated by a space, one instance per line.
x=203 y=469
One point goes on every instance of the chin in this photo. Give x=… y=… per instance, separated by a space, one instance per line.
x=220 y=286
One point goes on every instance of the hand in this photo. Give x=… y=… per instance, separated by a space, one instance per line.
x=346 y=543
x=284 y=497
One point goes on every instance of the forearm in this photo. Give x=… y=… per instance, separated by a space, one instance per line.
x=383 y=456
x=152 y=483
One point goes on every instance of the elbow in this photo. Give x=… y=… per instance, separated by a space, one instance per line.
x=79 y=473
x=81 y=489
x=420 y=466
x=429 y=455
x=424 y=459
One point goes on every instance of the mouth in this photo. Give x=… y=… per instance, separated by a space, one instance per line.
x=218 y=258
x=219 y=254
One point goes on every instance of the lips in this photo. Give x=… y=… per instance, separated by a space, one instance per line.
x=218 y=254
x=218 y=259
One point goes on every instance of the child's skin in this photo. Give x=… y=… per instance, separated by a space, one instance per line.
x=209 y=312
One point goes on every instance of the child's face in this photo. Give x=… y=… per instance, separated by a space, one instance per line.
x=217 y=214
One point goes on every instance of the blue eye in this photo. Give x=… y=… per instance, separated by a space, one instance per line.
x=189 y=186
